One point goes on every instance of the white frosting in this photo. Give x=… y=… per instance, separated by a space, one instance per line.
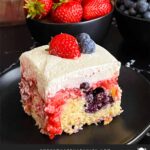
x=53 y=73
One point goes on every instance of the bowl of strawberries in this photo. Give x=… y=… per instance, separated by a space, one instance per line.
x=47 y=18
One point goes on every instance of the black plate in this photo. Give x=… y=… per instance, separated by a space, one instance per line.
x=129 y=127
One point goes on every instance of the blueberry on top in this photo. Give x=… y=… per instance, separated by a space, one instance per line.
x=83 y=36
x=87 y=45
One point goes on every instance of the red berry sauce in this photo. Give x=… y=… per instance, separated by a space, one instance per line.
x=106 y=84
x=54 y=107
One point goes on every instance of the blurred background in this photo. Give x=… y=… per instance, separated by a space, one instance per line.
x=11 y=12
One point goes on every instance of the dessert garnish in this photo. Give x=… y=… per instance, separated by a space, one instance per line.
x=67 y=46
x=64 y=45
x=86 y=43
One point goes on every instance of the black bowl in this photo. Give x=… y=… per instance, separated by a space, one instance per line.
x=42 y=31
x=135 y=31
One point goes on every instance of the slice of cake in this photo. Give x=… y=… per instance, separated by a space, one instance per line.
x=69 y=83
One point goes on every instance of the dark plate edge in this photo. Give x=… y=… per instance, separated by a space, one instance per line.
x=139 y=137
x=9 y=68
x=139 y=74
x=143 y=132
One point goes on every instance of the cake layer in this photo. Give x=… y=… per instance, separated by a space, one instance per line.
x=66 y=115
x=74 y=117
x=53 y=73
x=63 y=95
x=70 y=109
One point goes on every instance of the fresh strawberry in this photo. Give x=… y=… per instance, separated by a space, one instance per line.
x=99 y=1
x=67 y=12
x=78 y=1
x=37 y=8
x=56 y=1
x=65 y=46
x=96 y=8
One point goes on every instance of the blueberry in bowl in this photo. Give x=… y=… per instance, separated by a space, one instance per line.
x=46 y=20
x=133 y=19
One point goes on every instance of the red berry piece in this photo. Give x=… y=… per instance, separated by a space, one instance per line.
x=65 y=46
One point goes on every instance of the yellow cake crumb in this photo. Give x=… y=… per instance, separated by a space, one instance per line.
x=107 y=120
x=73 y=116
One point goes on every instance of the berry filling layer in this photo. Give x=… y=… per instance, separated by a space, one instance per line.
x=48 y=113
x=96 y=99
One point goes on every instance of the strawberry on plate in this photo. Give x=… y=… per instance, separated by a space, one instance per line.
x=65 y=46
x=37 y=8
x=96 y=8
x=67 y=12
